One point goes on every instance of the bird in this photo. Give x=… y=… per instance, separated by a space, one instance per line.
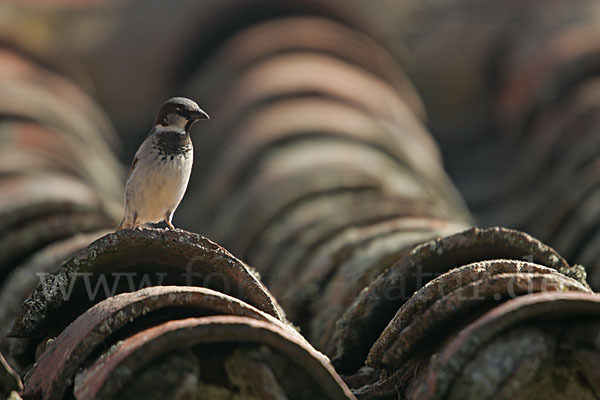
x=160 y=170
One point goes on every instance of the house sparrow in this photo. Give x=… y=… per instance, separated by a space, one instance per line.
x=161 y=168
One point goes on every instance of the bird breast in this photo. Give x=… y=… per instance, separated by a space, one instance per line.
x=158 y=183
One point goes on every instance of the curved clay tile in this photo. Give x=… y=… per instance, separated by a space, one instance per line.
x=303 y=34
x=572 y=316
x=485 y=275
x=366 y=318
x=56 y=366
x=22 y=280
x=21 y=241
x=130 y=259
x=466 y=301
x=110 y=373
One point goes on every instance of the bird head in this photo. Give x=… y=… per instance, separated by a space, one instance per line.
x=179 y=113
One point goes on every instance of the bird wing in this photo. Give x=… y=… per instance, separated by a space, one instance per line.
x=133 y=164
x=140 y=151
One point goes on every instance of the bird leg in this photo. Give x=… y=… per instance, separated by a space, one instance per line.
x=134 y=222
x=168 y=218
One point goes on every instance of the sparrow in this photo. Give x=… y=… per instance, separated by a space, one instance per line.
x=160 y=170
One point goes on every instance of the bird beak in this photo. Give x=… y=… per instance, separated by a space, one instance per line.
x=199 y=115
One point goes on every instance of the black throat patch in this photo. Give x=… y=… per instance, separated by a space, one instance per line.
x=172 y=143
